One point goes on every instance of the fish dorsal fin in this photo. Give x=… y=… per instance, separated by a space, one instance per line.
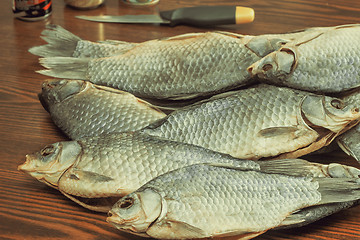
x=115 y=42
x=135 y=99
x=174 y=228
x=182 y=37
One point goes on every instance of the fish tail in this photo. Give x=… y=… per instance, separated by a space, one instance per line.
x=338 y=189
x=61 y=43
x=300 y=167
x=65 y=67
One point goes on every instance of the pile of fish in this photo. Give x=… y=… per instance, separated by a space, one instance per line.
x=199 y=135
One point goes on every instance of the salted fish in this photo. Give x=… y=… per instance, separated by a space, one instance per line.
x=262 y=121
x=179 y=67
x=80 y=108
x=62 y=43
x=203 y=200
x=325 y=61
x=96 y=171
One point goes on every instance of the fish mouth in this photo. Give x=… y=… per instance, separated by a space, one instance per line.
x=120 y=224
x=115 y=220
x=27 y=166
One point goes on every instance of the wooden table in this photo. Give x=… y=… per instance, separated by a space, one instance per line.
x=31 y=210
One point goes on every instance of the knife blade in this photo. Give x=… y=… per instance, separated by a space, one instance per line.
x=196 y=16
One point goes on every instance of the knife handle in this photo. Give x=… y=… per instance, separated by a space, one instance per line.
x=209 y=15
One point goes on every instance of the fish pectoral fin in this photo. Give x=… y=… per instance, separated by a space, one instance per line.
x=87 y=176
x=347 y=149
x=175 y=228
x=273 y=132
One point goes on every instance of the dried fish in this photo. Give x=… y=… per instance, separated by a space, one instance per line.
x=180 y=67
x=202 y=201
x=262 y=121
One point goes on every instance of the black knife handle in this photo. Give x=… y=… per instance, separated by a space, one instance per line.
x=201 y=16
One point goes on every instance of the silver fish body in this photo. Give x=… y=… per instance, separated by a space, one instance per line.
x=262 y=121
x=180 y=67
x=82 y=109
x=201 y=201
x=324 y=61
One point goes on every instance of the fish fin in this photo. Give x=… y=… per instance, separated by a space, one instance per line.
x=335 y=190
x=346 y=149
x=61 y=43
x=300 y=167
x=174 y=228
x=184 y=96
x=326 y=140
x=234 y=35
x=94 y=204
x=87 y=184
x=240 y=236
x=154 y=125
x=135 y=99
x=263 y=45
x=182 y=37
x=116 y=42
x=277 y=131
x=65 y=67
x=81 y=175
x=311 y=214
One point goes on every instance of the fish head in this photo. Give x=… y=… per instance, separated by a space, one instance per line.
x=276 y=65
x=328 y=112
x=137 y=211
x=51 y=162
x=55 y=91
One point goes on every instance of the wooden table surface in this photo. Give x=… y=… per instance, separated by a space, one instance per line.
x=31 y=210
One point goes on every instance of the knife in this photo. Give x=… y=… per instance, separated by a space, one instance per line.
x=196 y=16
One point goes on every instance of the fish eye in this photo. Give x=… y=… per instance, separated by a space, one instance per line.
x=337 y=103
x=126 y=203
x=47 y=150
x=267 y=67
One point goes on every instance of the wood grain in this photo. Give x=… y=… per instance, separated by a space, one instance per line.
x=32 y=210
